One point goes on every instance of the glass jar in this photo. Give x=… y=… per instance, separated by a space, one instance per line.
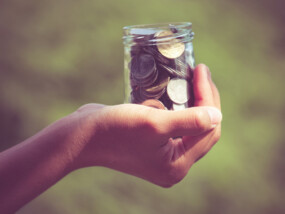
x=158 y=65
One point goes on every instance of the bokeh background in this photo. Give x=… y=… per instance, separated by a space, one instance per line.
x=56 y=55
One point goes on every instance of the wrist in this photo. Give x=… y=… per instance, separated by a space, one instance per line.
x=82 y=139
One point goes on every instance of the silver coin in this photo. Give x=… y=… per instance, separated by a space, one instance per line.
x=177 y=90
x=177 y=107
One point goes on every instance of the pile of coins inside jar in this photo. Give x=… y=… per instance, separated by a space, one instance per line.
x=160 y=73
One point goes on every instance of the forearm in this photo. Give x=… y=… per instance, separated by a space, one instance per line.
x=31 y=167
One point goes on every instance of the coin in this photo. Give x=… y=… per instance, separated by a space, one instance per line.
x=157 y=89
x=169 y=46
x=154 y=103
x=177 y=107
x=136 y=97
x=143 y=70
x=156 y=54
x=177 y=90
x=143 y=66
x=151 y=95
x=161 y=82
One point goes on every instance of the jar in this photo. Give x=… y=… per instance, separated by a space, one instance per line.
x=158 y=65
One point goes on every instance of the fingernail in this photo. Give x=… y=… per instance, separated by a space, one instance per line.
x=215 y=116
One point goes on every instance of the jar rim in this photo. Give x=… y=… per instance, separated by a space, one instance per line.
x=159 y=25
x=141 y=32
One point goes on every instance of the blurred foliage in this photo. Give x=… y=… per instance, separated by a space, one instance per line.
x=58 y=55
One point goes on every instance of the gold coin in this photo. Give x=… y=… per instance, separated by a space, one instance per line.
x=169 y=46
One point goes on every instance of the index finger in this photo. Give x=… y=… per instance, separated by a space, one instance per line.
x=202 y=87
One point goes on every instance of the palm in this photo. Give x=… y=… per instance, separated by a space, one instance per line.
x=142 y=141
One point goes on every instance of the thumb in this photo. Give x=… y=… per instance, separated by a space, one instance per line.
x=192 y=121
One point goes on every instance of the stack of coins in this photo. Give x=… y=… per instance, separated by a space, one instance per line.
x=159 y=70
x=144 y=72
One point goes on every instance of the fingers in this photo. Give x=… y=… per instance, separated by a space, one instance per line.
x=205 y=91
x=191 y=121
x=216 y=95
x=202 y=89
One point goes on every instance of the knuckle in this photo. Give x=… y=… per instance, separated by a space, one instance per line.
x=148 y=126
x=152 y=122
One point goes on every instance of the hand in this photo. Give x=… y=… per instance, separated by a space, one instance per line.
x=138 y=140
x=131 y=138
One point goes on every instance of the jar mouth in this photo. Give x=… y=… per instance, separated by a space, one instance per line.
x=145 y=33
x=160 y=25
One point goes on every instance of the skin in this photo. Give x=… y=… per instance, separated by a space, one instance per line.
x=134 y=139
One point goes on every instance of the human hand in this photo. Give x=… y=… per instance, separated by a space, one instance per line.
x=131 y=138
x=138 y=140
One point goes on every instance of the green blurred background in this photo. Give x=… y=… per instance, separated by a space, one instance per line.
x=56 y=55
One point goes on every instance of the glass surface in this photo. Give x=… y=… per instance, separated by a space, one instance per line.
x=158 y=65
